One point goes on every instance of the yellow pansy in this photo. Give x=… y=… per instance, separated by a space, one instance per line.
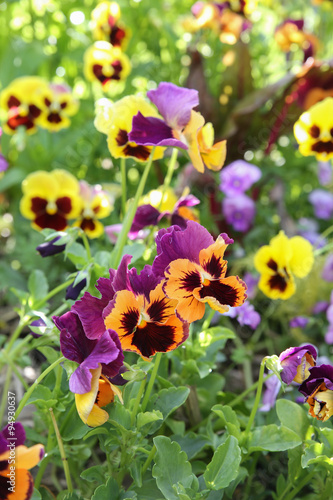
x=58 y=103
x=106 y=26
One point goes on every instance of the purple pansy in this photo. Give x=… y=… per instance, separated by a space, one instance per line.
x=238 y=177
x=322 y=202
x=3 y=163
x=239 y=212
x=298 y=322
x=308 y=229
x=245 y=314
x=320 y=307
x=296 y=362
x=90 y=354
x=15 y=429
x=324 y=172
x=329 y=335
x=273 y=385
x=327 y=272
x=318 y=390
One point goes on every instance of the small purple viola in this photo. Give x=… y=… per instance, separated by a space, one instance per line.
x=324 y=172
x=49 y=248
x=273 y=386
x=245 y=314
x=327 y=272
x=238 y=177
x=318 y=390
x=298 y=322
x=322 y=202
x=239 y=212
x=296 y=362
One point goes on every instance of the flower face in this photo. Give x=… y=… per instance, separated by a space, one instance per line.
x=50 y=199
x=322 y=202
x=21 y=100
x=105 y=24
x=318 y=390
x=314 y=130
x=58 y=104
x=97 y=204
x=195 y=271
x=106 y=64
x=296 y=362
x=278 y=261
x=239 y=211
x=238 y=177
x=13 y=454
x=119 y=143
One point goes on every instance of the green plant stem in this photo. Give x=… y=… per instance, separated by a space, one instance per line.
x=247 y=391
x=324 y=249
x=16 y=333
x=257 y=399
x=62 y=453
x=149 y=459
x=169 y=174
x=208 y=320
x=122 y=238
x=18 y=374
x=45 y=461
x=4 y=398
x=138 y=399
x=53 y=292
x=123 y=185
x=151 y=381
x=86 y=244
x=57 y=385
x=298 y=488
x=35 y=384
x=68 y=417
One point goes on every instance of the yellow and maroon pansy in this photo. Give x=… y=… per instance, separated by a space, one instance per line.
x=21 y=100
x=17 y=458
x=121 y=115
x=106 y=64
x=146 y=324
x=279 y=261
x=106 y=26
x=50 y=199
x=97 y=204
x=58 y=103
x=314 y=130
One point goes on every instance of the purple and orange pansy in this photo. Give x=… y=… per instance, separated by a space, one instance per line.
x=318 y=390
x=195 y=271
x=296 y=363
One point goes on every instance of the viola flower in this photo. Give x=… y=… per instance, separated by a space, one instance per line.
x=21 y=100
x=271 y=392
x=58 y=104
x=318 y=390
x=327 y=272
x=238 y=177
x=144 y=317
x=245 y=315
x=181 y=127
x=291 y=32
x=17 y=458
x=106 y=26
x=50 y=199
x=195 y=271
x=239 y=212
x=106 y=64
x=322 y=202
x=49 y=248
x=325 y=173
x=99 y=360
x=296 y=363
x=313 y=130
x=97 y=204
x=309 y=230
x=279 y=261
x=298 y=322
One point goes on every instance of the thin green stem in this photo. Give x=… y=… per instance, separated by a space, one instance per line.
x=16 y=333
x=123 y=185
x=298 y=488
x=45 y=461
x=86 y=244
x=137 y=400
x=35 y=384
x=151 y=381
x=240 y=398
x=53 y=292
x=68 y=417
x=206 y=323
x=122 y=238
x=62 y=453
x=169 y=174
x=57 y=385
x=257 y=399
x=149 y=459
x=324 y=249
x=4 y=398
x=18 y=374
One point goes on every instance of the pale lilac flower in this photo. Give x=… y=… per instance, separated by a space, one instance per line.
x=324 y=172
x=273 y=385
x=320 y=307
x=245 y=315
x=309 y=229
x=3 y=163
x=252 y=284
x=238 y=177
x=327 y=273
x=239 y=212
x=298 y=322
x=329 y=335
x=322 y=202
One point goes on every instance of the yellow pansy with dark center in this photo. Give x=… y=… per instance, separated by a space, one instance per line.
x=106 y=64
x=314 y=130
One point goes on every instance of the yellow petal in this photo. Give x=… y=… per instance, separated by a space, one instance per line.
x=85 y=402
x=302 y=258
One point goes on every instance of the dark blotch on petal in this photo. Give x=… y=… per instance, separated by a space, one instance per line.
x=314 y=131
x=214 y=266
x=129 y=321
x=152 y=338
x=140 y=152
x=87 y=225
x=278 y=282
x=54 y=118
x=190 y=281
x=157 y=312
x=223 y=293
x=13 y=102
x=272 y=265
x=38 y=205
x=57 y=222
x=323 y=147
x=64 y=204
x=122 y=137
x=116 y=36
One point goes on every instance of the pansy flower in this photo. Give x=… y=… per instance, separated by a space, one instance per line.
x=239 y=211
x=99 y=360
x=318 y=390
x=291 y=32
x=180 y=127
x=279 y=261
x=296 y=363
x=50 y=199
x=106 y=26
x=21 y=100
x=16 y=482
x=97 y=204
x=314 y=130
x=322 y=202
x=195 y=271
x=59 y=104
x=144 y=317
x=238 y=177
x=115 y=120
x=106 y=64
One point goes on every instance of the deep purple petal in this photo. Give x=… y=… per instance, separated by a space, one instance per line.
x=116 y=366
x=186 y=201
x=121 y=280
x=174 y=103
x=145 y=282
x=173 y=244
x=291 y=358
x=11 y=431
x=74 y=344
x=318 y=374
x=149 y=131
x=145 y=215
x=49 y=248
x=73 y=291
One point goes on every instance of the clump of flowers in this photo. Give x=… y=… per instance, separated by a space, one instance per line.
x=106 y=24
x=280 y=261
x=291 y=32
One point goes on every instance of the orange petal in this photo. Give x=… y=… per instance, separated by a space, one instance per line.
x=16 y=484
x=222 y=293
x=160 y=307
x=211 y=259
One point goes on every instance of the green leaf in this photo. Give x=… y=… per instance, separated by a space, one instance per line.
x=42 y=396
x=50 y=354
x=171 y=467
x=120 y=416
x=293 y=416
x=66 y=495
x=77 y=254
x=38 y=285
x=167 y=400
x=108 y=491
x=224 y=465
x=229 y=419
x=11 y=178
x=318 y=454
x=35 y=495
x=191 y=443
x=144 y=420
x=95 y=473
x=273 y=438
x=74 y=428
